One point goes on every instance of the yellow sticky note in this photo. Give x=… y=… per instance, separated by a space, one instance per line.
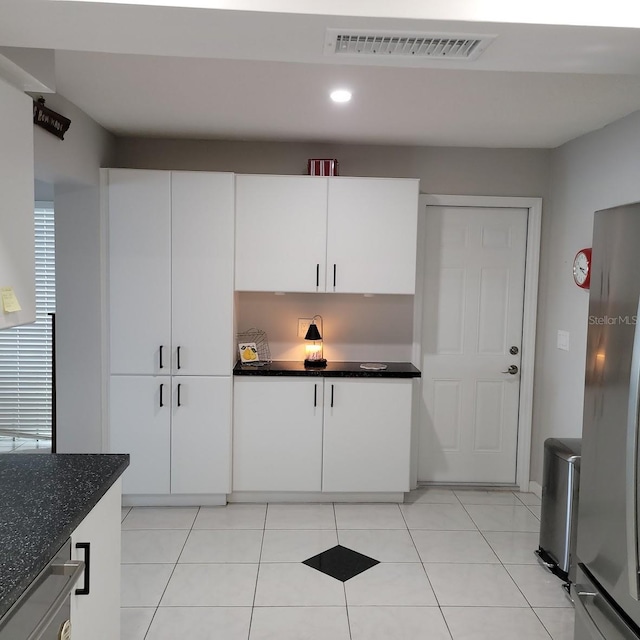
x=9 y=301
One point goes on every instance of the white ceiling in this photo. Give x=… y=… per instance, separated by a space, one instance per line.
x=241 y=74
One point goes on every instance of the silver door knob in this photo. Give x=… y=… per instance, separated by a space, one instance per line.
x=512 y=370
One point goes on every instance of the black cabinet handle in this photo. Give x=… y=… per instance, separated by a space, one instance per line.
x=334 y=275
x=332 y=395
x=161 y=388
x=315 y=395
x=178 y=356
x=179 y=403
x=160 y=357
x=317 y=274
x=86 y=547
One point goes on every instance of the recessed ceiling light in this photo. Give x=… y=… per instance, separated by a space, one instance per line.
x=340 y=95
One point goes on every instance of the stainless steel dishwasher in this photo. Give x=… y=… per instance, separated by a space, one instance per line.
x=42 y=612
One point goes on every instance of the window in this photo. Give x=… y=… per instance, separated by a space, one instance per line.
x=26 y=353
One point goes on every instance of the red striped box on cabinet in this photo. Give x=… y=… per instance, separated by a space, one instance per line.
x=322 y=167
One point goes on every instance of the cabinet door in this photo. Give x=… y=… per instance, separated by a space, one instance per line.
x=17 y=237
x=277 y=434
x=140 y=419
x=202 y=273
x=372 y=235
x=201 y=435
x=367 y=429
x=96 y=615
x=140 y=271
x=280 y=233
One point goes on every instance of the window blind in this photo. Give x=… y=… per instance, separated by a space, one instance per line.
x=26 y=376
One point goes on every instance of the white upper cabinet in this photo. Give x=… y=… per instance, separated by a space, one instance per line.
x=372 y=235
x=17 y=237
x=202 y=273
x=281 y=226
x=140 y=271
x=336 y=234
x=170 y=272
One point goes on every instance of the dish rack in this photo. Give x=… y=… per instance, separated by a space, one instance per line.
x=262 y=345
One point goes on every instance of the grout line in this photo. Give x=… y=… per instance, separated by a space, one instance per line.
x=544 y=626
x=172 y=572
x=255 y=589
x=346 y=607
x=435 y=595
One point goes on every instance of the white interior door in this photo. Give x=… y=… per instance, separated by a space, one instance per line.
x=472 y=335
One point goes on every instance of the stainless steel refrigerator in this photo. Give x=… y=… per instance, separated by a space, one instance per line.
x=607 y=590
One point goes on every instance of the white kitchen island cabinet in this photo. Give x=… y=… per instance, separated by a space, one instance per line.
x=312 y=434
x=170 y=304
x=96 y=615
x=318 y=234
x=277 y=434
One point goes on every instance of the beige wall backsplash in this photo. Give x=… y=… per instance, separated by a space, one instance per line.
x=356 y=328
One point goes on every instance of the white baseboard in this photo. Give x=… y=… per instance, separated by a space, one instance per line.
x=261 y=497
x=195 y=500
x=535 y=488
x=295 y=496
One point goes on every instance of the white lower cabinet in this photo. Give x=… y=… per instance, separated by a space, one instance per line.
x=367 y=435
x=277 y=434
x=315 y=434
x=177 y=431
x=141 y=426
x=201 y=435
x=96 y=615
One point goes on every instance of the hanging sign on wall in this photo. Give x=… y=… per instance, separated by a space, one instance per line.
x=50 y=120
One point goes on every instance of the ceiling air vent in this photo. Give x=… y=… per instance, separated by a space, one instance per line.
x=418 y=45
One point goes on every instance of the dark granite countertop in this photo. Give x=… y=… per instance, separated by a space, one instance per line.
x=332 y=370
x=43 y=498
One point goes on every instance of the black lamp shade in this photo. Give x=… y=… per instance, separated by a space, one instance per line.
x=313 y=333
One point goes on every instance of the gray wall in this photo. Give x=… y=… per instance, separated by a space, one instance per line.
x=68 y=170
x=595 y=171
x=458 y=171
x=356 y=328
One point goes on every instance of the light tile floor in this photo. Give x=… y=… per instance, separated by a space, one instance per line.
x=454 y=565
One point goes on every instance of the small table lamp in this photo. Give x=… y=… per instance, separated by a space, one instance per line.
x=314 y=351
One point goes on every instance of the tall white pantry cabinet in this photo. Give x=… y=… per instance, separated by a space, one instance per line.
x=170 y=302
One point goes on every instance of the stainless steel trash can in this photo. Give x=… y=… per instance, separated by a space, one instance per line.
x=559 y=512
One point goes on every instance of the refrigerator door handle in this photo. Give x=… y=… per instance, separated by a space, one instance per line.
x=632 y=466
x=579 y=601
x=596 y=618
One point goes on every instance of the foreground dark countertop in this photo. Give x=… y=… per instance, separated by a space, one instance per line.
x=332 y=370
x=43 y=498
